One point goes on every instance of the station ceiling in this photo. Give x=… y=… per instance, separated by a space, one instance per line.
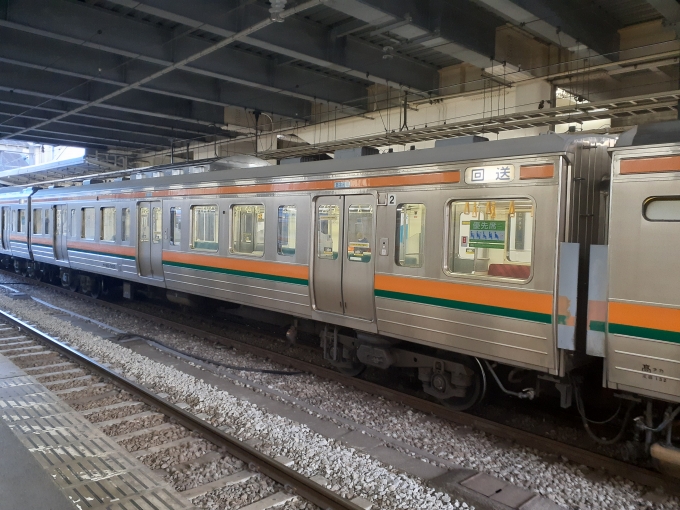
x=142 y=74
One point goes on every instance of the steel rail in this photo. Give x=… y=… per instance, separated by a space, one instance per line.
x=289 y=478
x=528 y=439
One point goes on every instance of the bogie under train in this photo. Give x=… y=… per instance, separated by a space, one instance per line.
x=553 y=256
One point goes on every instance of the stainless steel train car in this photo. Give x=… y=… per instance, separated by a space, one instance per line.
x=545 y=255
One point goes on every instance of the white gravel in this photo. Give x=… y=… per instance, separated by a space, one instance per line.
x=354 y=473
x=566 y=483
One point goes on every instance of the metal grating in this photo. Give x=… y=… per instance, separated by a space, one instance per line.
x=601 y=110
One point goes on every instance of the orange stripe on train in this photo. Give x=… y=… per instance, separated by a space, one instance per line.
x=252 y=266
x=645 y=316
x=505 y=298
x=451 y=177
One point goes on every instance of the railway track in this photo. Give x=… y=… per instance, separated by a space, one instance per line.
x=129 y=412
x=575 y=454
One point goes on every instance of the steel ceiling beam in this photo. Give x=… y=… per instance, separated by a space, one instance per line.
x=297 y=38
x=115 y=118
x=460 y=29
x=669 y=9
x=562 y=23
x=120 y=63
x=112 y=95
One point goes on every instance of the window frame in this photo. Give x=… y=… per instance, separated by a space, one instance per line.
x=279 y=211
x=101 y=224
x=481 y=277
x=37 y=226
x=174 y=210
x=125 y=233
x=192 y=232
x=47 y=221
x=422 y=236
x=83 y=223
x=663 y=198
x=233 y=232
x=19 y=215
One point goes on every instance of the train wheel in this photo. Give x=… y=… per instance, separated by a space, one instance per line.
x=352 y=370
x=473 y=393
x=97 y=289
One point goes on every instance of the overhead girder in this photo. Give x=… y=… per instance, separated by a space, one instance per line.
x=295 y=38
x=460 y=29
x=8 y=118
x=72 y=90
x=578 y=23
x=171 y=129
x=87 y=64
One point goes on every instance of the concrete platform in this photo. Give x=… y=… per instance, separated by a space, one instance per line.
x=52 y=458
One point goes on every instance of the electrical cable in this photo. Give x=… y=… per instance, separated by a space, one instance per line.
x=126 y=336
x=586 y=422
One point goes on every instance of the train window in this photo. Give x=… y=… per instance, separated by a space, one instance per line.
x=87 y=225
x=175 y=226
x=14 y=221
x=359 y=233
x=410 y=238
x=662 y=209
x=21 y=225
x=248 y=229
x=37 y=221
x=108 y=227
x=285 y=240
x=204 y=227
x=491 y=238
x=125 y=224
x=73 y=223
x=328 y=231
x=157 y=224
x=46 y=215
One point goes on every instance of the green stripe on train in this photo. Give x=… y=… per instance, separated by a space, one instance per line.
x=544 y=318
x=93 y=252
x=649 y=333
x=235 y=272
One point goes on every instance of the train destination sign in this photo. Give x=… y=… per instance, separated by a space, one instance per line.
x=487 y=174
x=487 y=234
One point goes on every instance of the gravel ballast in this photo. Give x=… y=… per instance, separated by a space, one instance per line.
x=356 y=474
x=566 y=483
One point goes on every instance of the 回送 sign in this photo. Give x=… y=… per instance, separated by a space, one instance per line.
x=487 y=174
x=487 y=234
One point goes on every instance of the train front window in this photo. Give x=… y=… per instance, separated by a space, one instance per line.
x=108 y=224
x=248 y=230
x=328 y=231
x=88 y=221
x=285 y=237
x=359 y=233
x=491 y=238
x=204 y=227
x=410 y=248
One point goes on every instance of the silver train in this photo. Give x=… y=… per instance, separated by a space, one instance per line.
x=529 y=259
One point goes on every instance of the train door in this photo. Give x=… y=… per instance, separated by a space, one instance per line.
x=5 y=228
x=60 y=232
x=344 y=260
x=150 y=239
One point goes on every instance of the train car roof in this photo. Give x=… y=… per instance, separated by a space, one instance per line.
x=651 y=134
x=515 y=147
